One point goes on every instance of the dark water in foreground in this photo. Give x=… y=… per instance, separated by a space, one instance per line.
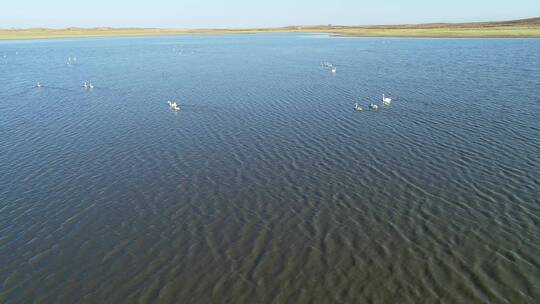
x=267 y=187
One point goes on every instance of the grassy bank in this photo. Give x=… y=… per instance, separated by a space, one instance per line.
x=512 y=29
x=515 y=28
x=449 y=32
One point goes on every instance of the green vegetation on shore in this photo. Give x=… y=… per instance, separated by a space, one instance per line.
x=513 y=29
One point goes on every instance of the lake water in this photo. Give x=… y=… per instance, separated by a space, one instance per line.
x=267 y=187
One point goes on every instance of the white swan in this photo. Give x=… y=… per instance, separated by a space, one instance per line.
x=358 y=108
x=39 y=85
x=373 y=106
x=173 y=105
x=386 y=100
x=90 y=85
x=85 y=85
x=334 y=70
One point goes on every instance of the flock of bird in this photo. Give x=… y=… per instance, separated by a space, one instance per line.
x=87 y=85
x=385 y=100
x=329 y=66
x=173 y=105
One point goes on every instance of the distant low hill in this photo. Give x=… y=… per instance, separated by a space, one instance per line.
x=522 y=28
x=529 y=22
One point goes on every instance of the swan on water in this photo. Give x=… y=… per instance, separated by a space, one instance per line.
x=358 y=108
x=85 y=85
x=334 y=70
x=39 y=84
x=90 y=85
x=173 y=105
x=373 y=106
x=386 y=100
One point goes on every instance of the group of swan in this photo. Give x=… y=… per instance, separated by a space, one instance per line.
x=173 y=105
x=87 y=85
x=328 y=65
x=372 y=106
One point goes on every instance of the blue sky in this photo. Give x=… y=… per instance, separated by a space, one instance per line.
x=244 y=13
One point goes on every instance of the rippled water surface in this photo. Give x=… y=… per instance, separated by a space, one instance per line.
x=267 y=187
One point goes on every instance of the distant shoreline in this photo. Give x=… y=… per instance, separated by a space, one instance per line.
x=524 y=28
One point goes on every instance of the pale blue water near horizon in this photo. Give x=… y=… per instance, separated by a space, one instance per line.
x=267 y=187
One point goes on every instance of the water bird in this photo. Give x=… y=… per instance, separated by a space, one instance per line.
x=373 y=106
x=386 y=100
x=334 y=70
x=90 y=85
x=358 y=108
x=39 y=85
x=85 y=85
x=173 y=105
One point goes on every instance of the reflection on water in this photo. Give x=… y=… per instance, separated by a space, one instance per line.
x=267 y=187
